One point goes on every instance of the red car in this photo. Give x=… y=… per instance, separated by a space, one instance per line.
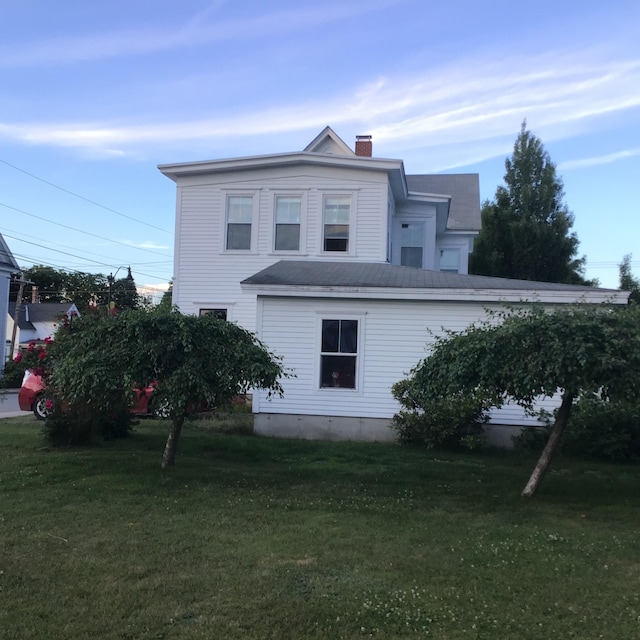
x=30 y=397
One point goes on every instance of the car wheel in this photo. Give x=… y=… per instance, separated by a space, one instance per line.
x=161 y=410
x=40 y=410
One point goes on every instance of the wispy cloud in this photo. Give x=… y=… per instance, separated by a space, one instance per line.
x=145 y=245
x=473 y=102
x=199 y=30
x=599 y=160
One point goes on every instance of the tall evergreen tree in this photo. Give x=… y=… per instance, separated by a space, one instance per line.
x=526 y=229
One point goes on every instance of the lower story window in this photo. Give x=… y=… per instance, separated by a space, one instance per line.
x=339 y=354
x=221 y=314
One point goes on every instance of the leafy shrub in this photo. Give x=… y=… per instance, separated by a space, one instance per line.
x=78 y=424
x=34 y=357
x=12 y=375
x=604 y=429
x=453 y=423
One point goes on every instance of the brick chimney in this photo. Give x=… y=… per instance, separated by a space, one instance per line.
x=364 y=146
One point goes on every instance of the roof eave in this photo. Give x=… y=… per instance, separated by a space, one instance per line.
x=439 y=294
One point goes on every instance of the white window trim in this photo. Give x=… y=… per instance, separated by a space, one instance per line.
x=317 y=357
x=447 y=247
x=302 y=250
x=352 y=195
x=255 y=199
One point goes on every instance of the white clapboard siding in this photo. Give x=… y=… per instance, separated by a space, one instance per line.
x=206 y=276
x=396 y=338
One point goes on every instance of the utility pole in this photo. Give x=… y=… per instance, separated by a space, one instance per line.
x=16 y=313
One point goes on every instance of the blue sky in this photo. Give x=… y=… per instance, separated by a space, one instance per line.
x=95 y=95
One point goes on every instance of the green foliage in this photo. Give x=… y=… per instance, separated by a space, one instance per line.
x=520 y=355
x=451 y=423
x=34 y=357
x=628 y=282
x=526 y=229
x=523 y=354
x=192 y=360
x=59 y=285
x=603 y=429
x=77 y=424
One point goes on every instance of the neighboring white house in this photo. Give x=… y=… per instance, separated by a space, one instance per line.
x=39 y=320
x=8 y=265
x=342 y=263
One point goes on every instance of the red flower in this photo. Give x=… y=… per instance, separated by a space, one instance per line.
x=31 y=346
x=38 y=371
x=48 y=340
x=18 y=357
x=42 y=355
x=48 y=403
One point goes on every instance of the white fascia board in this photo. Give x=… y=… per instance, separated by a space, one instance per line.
x=175 y=171
x=458 y=295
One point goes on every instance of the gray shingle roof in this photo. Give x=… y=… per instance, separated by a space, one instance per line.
x=464 y=189
x=301 y=273
x=7 y=261
x=40 y=312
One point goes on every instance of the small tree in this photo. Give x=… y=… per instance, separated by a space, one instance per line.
x=628 y=282
x=191 y=360
x=521 y=355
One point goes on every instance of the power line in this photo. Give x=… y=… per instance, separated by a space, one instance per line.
x=87 y=233
x=76 y=195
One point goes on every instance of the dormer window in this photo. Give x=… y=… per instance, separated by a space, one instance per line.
x=337 y=211
x=450 y=260
x=411 y=244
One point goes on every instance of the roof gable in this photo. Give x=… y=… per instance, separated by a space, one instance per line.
x=328 y=142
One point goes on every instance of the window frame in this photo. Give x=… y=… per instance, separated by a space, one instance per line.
x=455 y=250
x=351 y=235
x=358 y=355
x=252 y=224
x=301 y=224
x=218 y=312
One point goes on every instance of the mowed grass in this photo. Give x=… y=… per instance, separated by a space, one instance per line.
x=250 y=537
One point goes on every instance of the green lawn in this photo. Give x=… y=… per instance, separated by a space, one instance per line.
x=258 y=538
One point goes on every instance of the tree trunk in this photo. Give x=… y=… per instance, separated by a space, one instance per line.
x=171 y=447
x=551 y=447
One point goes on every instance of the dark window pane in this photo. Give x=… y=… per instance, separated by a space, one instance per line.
x=330 y=335
x=221 y=314
x=239 y=236
x=348 y=336
x=338 y=371
x=411 y=257
x=287 y=237
x=336 y=237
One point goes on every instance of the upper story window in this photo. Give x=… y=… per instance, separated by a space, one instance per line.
x=239 y=220
x=337 y=211
x=287 y=219
x=339 y=354
x=450 y=260
x=411 y=244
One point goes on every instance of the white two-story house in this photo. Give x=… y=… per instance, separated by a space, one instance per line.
x=342 y=264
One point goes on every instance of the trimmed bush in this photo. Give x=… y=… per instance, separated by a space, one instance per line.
x=450 y=423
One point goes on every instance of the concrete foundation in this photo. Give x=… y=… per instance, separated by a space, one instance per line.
x=305 y=427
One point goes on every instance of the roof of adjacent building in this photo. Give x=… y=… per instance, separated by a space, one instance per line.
x=464 y=190
x=7 y=261
x=309 y=273
x=41 y=312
